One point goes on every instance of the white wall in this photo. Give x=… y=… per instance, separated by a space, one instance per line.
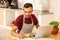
x=45 y=4
x=20 y=3
x=44 y=19
x=37 y=4
x=34 y=2
x=1 y=17
x=9 y=16
x=55 y=8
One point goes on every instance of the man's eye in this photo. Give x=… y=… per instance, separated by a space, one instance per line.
x=30 y=11
x=25 y=12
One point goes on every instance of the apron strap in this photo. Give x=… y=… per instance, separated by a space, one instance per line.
x=24 y=19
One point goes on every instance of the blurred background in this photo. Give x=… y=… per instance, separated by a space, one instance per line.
x=45 y=11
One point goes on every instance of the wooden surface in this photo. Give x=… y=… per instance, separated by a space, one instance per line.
x=55 y=37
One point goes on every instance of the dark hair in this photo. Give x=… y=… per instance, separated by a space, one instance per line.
x=27 y=5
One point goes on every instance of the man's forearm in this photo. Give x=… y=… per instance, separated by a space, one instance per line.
x=14 y=33
x=19 y=35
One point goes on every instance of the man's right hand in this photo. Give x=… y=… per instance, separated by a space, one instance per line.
x=14 y=33
x=22 y=36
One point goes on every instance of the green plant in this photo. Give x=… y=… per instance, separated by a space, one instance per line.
x=54 y=23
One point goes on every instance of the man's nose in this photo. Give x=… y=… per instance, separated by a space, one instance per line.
x=27 y=13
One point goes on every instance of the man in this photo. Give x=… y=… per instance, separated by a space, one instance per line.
x=25 y=23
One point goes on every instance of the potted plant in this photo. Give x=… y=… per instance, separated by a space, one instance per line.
x=55 y=29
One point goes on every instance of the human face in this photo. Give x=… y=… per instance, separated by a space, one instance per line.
x=28 y=11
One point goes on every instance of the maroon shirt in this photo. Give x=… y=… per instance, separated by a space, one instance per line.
x=19 y=21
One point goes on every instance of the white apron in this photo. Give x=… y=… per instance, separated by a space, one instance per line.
x=27 y=28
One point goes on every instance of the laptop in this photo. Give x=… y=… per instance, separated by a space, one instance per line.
x=43 y=31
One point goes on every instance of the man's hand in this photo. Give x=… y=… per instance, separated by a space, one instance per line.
x=37 y=26
x=22 y=36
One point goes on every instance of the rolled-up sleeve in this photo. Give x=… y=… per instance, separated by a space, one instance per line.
x=17 y=21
